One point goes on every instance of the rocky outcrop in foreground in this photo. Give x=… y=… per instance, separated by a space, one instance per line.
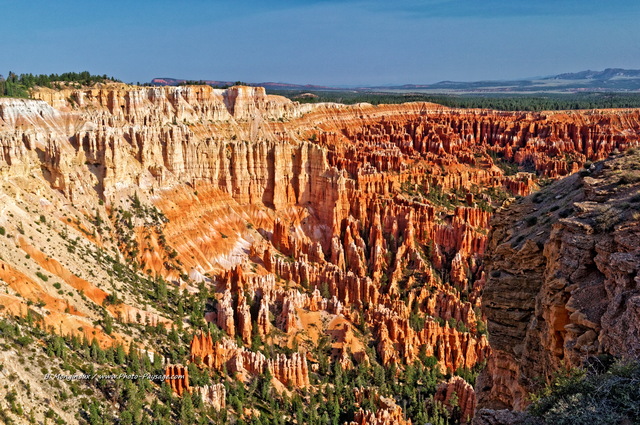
x=563 y=280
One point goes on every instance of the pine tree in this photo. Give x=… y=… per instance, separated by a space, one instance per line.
x=265 y=390
x=173 y=335
x=161 y=290
x=187 y=412
x=157 y=362
x=126 y=418
x=121 y=356
x=95 y=417
x=96 y=352
x=166 y=393
x=134 y=359
x=107 y=322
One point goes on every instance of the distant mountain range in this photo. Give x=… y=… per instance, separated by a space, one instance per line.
x=609 y=80
x=607 y=74
x=269 y=85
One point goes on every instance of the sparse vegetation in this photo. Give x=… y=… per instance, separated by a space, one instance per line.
x=603 y=393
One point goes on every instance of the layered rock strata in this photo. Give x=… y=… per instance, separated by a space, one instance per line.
x=564 y=290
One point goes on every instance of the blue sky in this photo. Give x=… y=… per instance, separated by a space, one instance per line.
x=319 y=41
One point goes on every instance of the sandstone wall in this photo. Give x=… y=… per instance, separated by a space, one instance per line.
x=565 y=290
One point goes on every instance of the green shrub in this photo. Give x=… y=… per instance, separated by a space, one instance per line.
x=24 y=340
x=629 y=178
x=417 y=321
x=606 y=219
x=592 y=396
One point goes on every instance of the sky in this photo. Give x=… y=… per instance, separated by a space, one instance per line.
x=329 y=42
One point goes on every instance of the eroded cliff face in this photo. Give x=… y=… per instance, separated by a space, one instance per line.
x=563 y=280
x=350 y=233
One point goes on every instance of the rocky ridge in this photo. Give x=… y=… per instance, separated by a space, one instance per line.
x=563 y=280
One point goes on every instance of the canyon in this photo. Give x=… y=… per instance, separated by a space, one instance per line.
x=320 y=238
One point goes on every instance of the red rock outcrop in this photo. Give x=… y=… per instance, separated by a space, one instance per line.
x=388 y=413
x=291 y=371
x=289 y=320
x=453 y=349
x=243 y=317
x=201 y=349
x=226 y=314
x=177 y=377
x=264 y=323
x=457 y=395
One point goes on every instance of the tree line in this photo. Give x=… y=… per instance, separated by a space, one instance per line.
x=18 y=85
x=501 y=102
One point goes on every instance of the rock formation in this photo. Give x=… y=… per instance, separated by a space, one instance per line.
x=214 y=395
x=291 y=371
x=387 y=413
x=457 y=394
x=564 y=290
x=500 y=417
x=177 y=377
